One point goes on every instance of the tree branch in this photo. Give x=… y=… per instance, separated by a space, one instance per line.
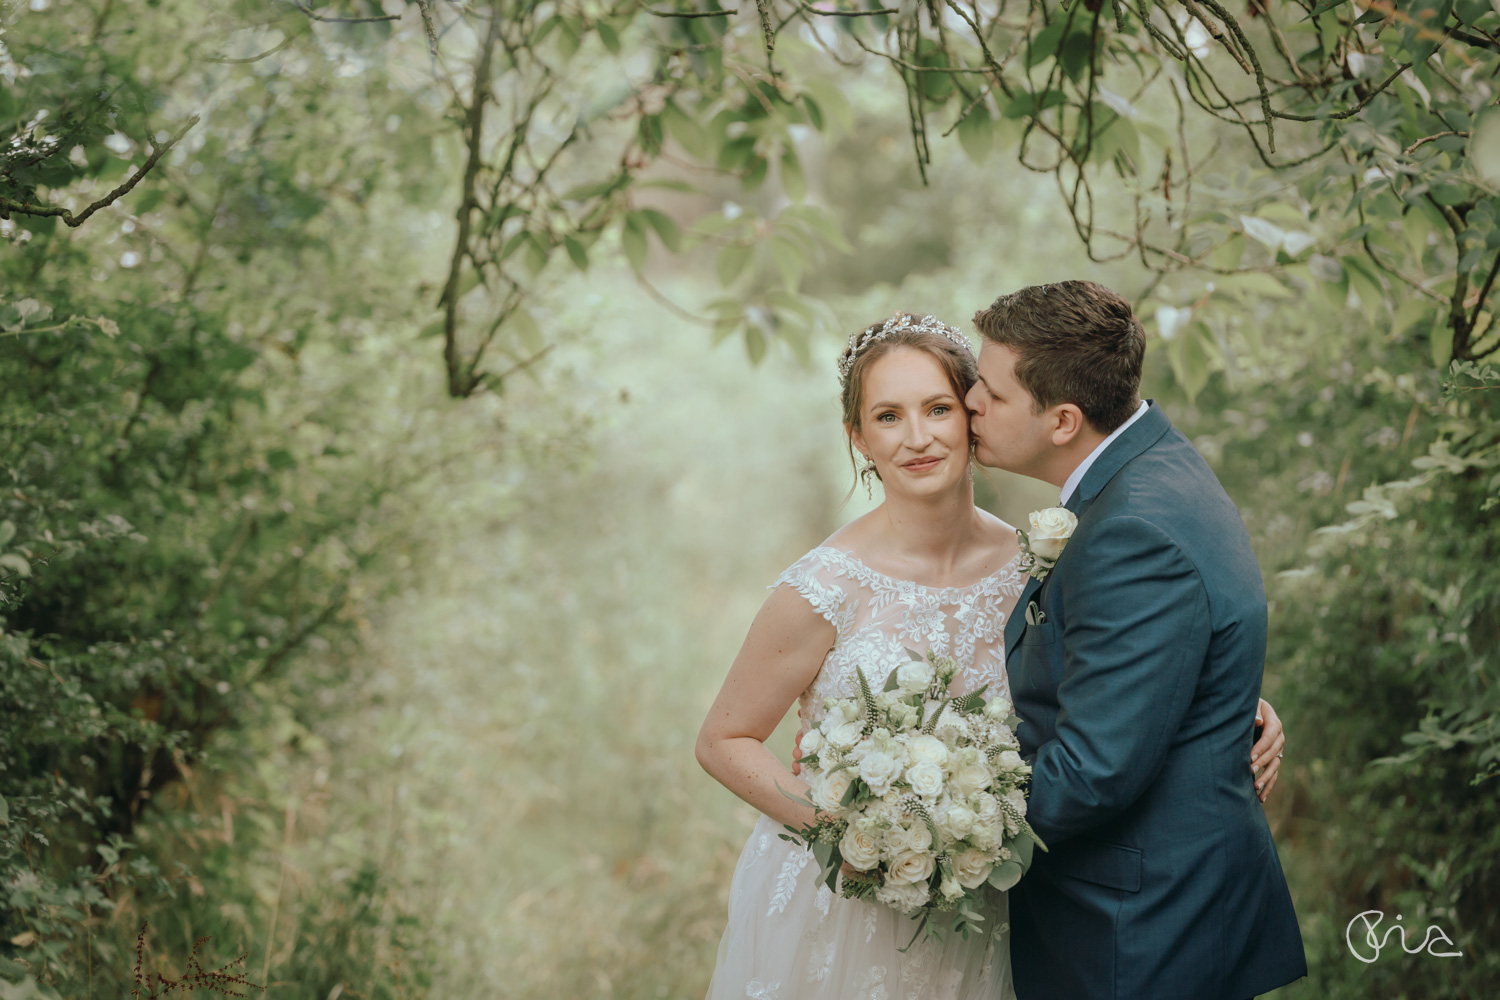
x=8 y=205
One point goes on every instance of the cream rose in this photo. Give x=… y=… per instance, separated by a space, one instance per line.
x=859 y=849
x=812 y=742
x=959 y=820
x=914 y=676
x=927 y=749
x=902 y=897
x=828 y=789
x=910 y=868
x=951 y=889
x=969 y=780
x=1010 y=760
x=971 y=868
x=879 y=770
x=1050 y=531
x=998 y=708
x=925 y=778
x=844 y=734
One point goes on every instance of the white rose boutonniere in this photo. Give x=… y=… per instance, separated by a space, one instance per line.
x=1043 y=545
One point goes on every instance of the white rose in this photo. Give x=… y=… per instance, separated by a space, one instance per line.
x=812 y=742
x=986 y=809
x=959 y=821
x=914 y=676
x=971 y=779
x=828 y=789
x=985 y=836
x=998 y=708
x=859 y=849
x=971 y=868
x=844 y=734
x=901 y=839
x=951 y=889
x=927 y=749
x=925 y=778
x=879 y=770
x=902 y=897
x=1050 y=530
x=911 y=867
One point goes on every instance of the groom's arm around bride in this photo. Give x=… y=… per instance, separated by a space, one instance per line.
x=1136 y=676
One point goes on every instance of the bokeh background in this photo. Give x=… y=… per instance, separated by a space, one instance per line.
x=404 y=407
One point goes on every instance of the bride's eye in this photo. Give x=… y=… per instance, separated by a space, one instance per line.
x=940 y=409
x=882 y=418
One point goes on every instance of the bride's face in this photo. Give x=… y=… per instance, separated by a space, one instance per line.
x=912 y=424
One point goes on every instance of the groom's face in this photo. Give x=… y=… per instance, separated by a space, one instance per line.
x=1008 y=432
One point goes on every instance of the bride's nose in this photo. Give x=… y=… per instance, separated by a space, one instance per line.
x=918 y=434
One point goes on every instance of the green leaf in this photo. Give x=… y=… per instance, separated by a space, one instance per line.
x=1324 y=6
x=755 y=173
x=15 y=564
x=1441 y=342
x=666 y=229
x=788 y=260
x=976 y=134
x=576 y=253
x=633 y=240
x=608 y=36
x=792 y=180
x=755 y=345
x=832 y=103
x=1046 y=41
x=686 y=131
x=732 y=261
x=1188 y=355
x=527 y=332
x=7 y=532
x=1005 y=875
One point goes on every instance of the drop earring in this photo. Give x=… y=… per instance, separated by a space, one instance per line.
x=865 y=473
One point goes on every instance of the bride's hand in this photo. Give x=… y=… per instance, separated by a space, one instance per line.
x=1265 y=756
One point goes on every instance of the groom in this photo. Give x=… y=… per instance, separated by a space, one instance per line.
x=1135 y=669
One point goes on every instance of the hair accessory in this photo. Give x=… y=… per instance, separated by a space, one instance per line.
x=896 y=324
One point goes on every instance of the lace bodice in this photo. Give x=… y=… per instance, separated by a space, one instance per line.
x=878 y=618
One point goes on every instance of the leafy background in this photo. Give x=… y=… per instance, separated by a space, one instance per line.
x=377 y=382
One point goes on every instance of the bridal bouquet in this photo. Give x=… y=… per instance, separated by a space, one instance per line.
x=921 y=794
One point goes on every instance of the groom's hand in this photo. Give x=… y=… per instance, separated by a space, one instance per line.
x=1265 y=756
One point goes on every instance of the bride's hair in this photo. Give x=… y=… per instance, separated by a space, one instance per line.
x=919 y=332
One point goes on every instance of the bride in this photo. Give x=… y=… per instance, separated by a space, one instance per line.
x=924 y=570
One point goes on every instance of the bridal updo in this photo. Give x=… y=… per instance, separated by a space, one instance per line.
x=918 y=331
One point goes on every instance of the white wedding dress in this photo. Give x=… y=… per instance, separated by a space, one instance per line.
x=790 y=937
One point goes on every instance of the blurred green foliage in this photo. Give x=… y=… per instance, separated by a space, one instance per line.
x=253 y=252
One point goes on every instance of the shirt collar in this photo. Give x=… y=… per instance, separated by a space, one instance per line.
x=1071 y=485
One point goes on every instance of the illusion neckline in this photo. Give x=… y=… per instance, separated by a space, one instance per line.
x=846 y=554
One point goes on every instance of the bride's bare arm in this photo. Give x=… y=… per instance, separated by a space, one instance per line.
x=780 y=657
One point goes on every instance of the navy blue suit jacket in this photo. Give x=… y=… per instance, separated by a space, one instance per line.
x=1136 y=696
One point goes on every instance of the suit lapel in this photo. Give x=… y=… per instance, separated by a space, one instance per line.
x=1141 y=435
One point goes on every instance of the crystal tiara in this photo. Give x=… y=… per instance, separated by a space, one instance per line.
x=896 y=324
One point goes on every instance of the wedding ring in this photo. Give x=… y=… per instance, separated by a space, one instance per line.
x=1278 y=756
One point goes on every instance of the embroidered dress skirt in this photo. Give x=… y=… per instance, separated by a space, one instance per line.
x=789 y=937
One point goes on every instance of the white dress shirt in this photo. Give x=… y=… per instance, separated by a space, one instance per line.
x=1083 y=467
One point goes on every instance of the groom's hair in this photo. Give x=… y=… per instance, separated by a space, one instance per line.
x=1075 y=342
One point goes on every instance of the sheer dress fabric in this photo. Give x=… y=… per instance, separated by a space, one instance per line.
x=788 y=936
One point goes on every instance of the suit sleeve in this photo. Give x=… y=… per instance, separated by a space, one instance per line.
x=1136 y=629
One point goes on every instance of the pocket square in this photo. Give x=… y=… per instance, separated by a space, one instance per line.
x=1035 y=615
